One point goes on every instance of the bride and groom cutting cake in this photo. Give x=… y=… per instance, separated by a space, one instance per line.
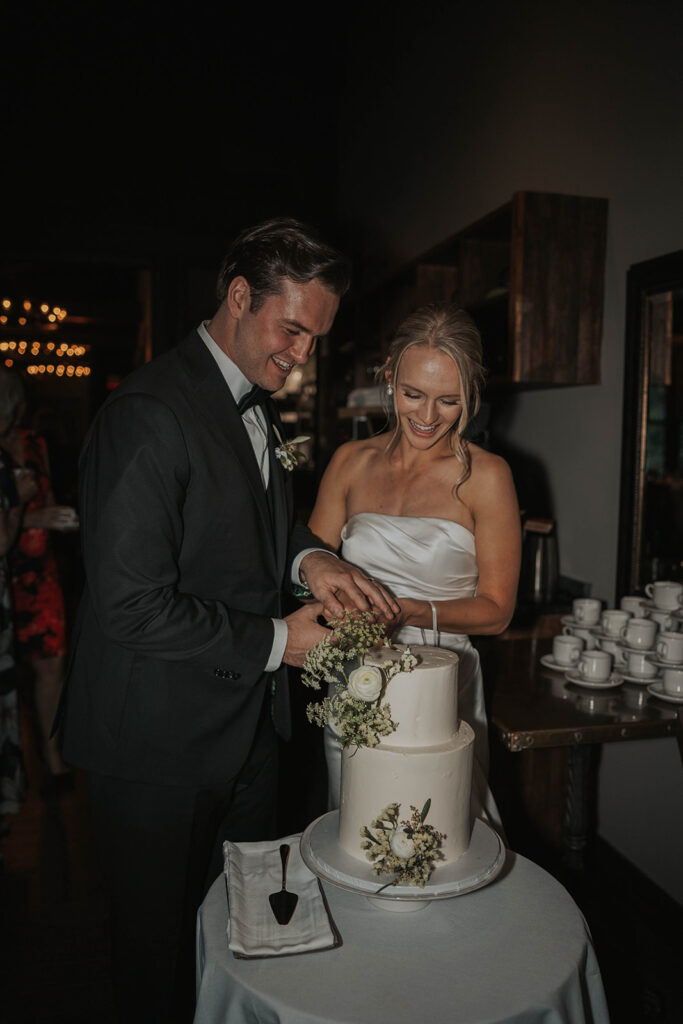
x=176 y=691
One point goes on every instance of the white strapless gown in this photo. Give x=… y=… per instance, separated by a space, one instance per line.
x=432 y=559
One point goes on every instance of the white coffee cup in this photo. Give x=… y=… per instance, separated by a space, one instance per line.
x=567 y=649
x=638 y=664
x=614 y=622
x=586 y=611
x=615 y=648
x=664 y=620
x=595 y=666
x=590 y=641
x=641 y=633
x=635 y=605
x=672 y=681
x=666 y=594
x=670 y=647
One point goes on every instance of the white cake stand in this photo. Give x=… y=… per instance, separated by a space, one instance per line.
x=322 y=853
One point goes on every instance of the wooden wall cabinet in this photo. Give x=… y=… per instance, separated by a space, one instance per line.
x=532 y=275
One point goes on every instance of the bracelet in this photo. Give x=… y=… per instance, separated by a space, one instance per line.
x=301 y=593
x=435 y=631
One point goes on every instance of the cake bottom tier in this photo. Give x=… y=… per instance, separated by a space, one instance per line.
x=373 y=777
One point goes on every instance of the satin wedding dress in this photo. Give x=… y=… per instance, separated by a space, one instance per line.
x=432 y=559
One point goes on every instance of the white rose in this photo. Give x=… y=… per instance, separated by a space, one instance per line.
x=365 y=683
x=401 y=844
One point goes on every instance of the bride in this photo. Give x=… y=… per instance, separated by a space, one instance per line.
x=431 y=516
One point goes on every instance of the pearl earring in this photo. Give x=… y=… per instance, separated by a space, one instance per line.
x=390 y=390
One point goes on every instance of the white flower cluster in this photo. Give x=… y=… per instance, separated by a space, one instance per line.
x=406 y=849
x=358 y=722
x=355 y=709
x=405 y=663
x=351 y=636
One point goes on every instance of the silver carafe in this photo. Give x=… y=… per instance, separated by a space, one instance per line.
x=539 y=572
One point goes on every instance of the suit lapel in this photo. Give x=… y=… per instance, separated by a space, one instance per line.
x=277 y=489
x=215 y=403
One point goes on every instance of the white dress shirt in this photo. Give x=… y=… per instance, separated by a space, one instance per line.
x=255 y=425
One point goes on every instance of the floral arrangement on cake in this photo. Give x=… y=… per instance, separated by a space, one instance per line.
x=407 y=849
x=354 y=708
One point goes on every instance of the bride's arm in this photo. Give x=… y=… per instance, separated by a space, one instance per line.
x=329 y=513
x=493 y=502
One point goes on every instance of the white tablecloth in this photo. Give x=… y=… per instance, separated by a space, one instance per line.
x=516 y=951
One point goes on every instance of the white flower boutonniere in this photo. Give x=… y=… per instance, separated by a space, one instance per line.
x=286 y=453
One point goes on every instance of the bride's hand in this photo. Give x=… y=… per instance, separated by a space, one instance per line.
x=397 y=621
x=338 y=584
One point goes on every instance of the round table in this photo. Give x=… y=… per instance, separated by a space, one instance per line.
x=516 y=951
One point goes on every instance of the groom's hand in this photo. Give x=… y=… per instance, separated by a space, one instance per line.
x=338 y=585
x=303 y=632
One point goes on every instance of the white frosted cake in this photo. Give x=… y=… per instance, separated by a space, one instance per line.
x=428 y=756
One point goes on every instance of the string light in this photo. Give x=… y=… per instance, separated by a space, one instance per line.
x=39 y=315
x=31 y=351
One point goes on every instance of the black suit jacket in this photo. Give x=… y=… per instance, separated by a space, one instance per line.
x=185 y=565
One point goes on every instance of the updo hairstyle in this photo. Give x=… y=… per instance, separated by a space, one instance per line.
x=452 y=331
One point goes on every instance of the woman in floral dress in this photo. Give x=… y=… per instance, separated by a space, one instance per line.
x=15 y=490
x=38 y=603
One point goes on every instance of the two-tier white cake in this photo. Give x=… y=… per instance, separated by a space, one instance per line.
x=428 y=757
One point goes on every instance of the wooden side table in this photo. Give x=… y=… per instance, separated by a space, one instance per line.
x=535 y=708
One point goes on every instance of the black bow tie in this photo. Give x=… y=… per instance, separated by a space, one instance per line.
x=256 y=396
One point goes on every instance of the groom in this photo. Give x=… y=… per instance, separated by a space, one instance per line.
x=177 y=684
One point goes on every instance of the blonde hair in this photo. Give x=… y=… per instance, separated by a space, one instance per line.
x=452 y=331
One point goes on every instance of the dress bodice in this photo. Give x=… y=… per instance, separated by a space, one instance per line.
x=413 y=556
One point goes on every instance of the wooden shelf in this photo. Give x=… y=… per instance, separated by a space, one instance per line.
x=531 y=274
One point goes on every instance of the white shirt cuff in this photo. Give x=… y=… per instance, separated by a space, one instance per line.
x=296 y=579
x=277 y=651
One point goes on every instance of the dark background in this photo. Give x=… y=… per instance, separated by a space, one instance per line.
x=139 y=141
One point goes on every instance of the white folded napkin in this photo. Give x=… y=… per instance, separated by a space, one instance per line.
x=253 y=871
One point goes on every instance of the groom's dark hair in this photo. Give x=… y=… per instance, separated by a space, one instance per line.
x=279 y=248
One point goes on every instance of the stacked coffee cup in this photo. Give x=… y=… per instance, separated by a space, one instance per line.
x=665 y=607
x=578 y=646
x=640 y=641
x=578 y=636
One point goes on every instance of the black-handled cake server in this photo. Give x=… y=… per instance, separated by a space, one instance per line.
x=282 y=902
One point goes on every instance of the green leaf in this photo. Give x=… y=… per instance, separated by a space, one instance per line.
x=425 y=809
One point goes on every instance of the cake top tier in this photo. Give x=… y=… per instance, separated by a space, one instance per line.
x=424 y=702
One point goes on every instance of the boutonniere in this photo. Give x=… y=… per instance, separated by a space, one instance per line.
x=286 y=453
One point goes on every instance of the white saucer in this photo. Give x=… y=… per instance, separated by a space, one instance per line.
x=601 y=635
x=479 y=865
x=568 y=620
x=638 y=679
x=616 y=679
x=661 y=663
x=657 y=690
x=547 y=662
x=631 y=647
x=676 y=612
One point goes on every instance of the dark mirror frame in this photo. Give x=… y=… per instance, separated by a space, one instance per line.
x=643 y=281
